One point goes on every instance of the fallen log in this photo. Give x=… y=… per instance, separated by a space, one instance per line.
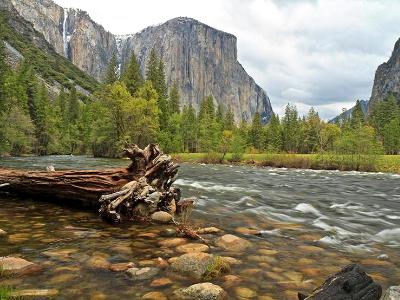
x=350 y=283
x=150 y=171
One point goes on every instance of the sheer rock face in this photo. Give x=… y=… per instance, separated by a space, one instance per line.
x=71 y=32
x=202 y=60
x=387 y=78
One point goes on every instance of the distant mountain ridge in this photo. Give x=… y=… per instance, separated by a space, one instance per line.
x=346 y=115
x=201 y=59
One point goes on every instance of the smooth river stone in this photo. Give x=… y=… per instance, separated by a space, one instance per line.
x=2 y=233
x=142 y=273
x=17 y=265
x=243 y=292
x=193 y=264
x=201 y=291
x=233 y=243
x=34 y=293
x=161 y=282
x=60 y=254
x=173 y=242
x=209 y=230
x=18 y=237
x=310 y=249
x=154 y=296
x=161 y=217
x=192 y=247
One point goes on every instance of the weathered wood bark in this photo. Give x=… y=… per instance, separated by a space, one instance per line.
x=349 y=284
x=86 y=187
x=72 y=187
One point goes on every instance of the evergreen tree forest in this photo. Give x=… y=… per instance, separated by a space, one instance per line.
x=128 y=108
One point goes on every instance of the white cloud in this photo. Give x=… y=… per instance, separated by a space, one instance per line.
x=312 y=53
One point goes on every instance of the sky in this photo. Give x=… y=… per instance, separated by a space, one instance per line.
x=320 y=54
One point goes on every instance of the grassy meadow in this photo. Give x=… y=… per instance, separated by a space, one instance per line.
x=367 y=163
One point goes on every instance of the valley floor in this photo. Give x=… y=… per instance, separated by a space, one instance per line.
x=367 y=163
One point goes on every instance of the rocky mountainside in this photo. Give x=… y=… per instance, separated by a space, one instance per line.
x=347 y=114
x=71 y=32
x=387 y=78
x=22 y=41
x=201 y=59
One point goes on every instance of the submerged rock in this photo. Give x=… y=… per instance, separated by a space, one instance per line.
x=168 y=232
x=17 y=266
x=192 y=247
x=161 y=282
x=2 y=233
x=392 y=293
x=244 y=292
x=154 y=296
x=208 y=230
x=142 y=273
x=193 y=264
x=161 y=217
x=202 y=291
x=34 y=293
x=231 y=242
x=121 y=267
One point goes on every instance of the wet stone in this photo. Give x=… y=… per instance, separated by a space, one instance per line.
x=161 y=217
x=392 y=293
x=208 y=230
x=2 y=233
x=160 y=282
x=154 y=296
x=168 y=232
x=201 y=291
x=121 y=267
x=60 y=254
x=17 y=265
x=193 y=264
x=18 y=237
x=32 y=293
x=243 y=292
x=192 y=247
x=231 y=242
x=173 y=242
x=142 y=273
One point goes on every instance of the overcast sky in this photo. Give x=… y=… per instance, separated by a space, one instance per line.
x=311 y=53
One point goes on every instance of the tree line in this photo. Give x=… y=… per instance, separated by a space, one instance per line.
x=130 y=108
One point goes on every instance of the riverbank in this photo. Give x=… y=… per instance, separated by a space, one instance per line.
x=366 y=163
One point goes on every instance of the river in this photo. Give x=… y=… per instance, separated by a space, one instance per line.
x=312 y=223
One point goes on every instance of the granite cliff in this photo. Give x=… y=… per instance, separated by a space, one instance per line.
x=201 y=59
x=387 y=78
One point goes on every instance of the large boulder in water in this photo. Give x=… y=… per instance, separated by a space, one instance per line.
x=348 y=284
x=392 y=293
x=201 y=291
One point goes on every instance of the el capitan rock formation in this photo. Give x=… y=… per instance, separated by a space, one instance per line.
x=202 y=59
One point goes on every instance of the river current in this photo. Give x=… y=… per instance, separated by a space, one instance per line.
x=314 y=222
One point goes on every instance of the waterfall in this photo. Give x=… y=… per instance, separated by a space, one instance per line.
x=65 y=37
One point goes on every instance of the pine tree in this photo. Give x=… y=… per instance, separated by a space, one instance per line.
x=312 y=130
x=391 y=136
x=357 y=116
x=256 y=132
x=152 y=67
x=291 y=129
x=229 y=121
x=189 y=129
x=73 y=106
x=111 y=74
x=174 y=99
x=132 y=76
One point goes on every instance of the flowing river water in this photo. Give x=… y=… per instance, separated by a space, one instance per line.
x=312 y=223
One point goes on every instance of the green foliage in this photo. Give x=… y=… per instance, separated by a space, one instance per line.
x=357 y=116
x=391 y=136
x=217 y=267
x=111 y=75
x=132 y=77
x=174 y=99
x=6 y=292
x=290 y=129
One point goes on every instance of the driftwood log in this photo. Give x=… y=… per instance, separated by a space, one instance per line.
x=142 y=188
x=350 y=283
